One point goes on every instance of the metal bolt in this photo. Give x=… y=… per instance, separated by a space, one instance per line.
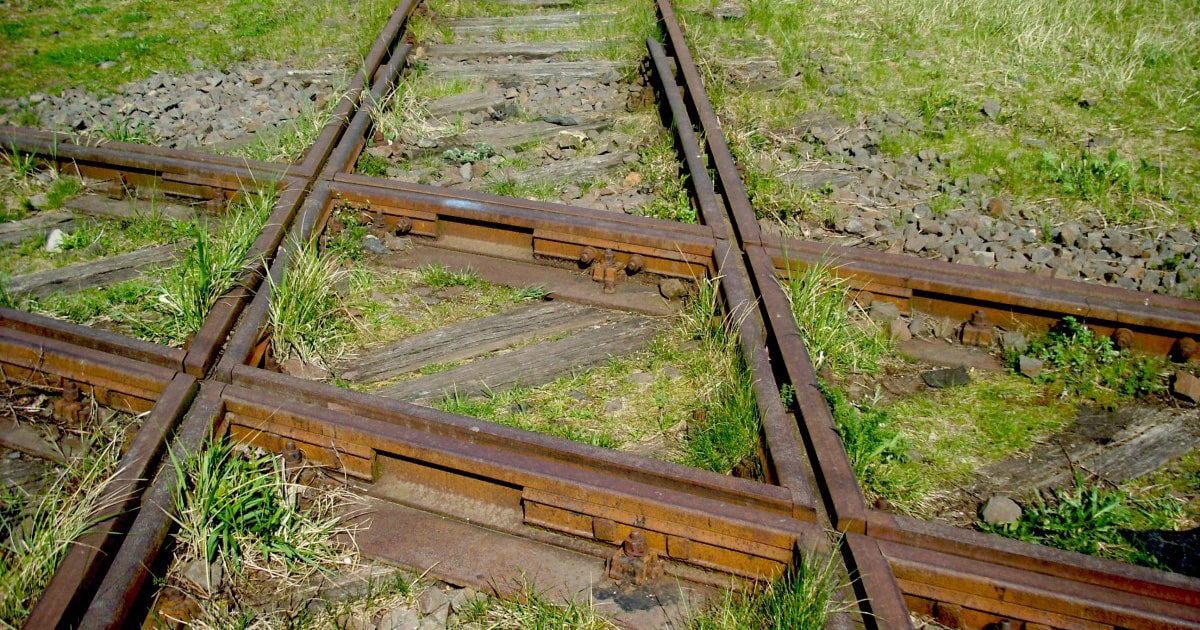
x=291 y=454
x=404 y=225
x=979 y=318
x=1189 y=349
x=635 y=545
x=587 y=255
x=636 y=263
x=70 y=392
x=1122 y=338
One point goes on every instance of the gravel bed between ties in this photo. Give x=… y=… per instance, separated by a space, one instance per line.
x=206 y=108
x=887 y=203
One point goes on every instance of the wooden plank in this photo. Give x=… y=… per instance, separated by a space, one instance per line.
x=484 y=25
x=571 y=171
x=573 y=70
x=467 y=103
x=506 y=136
x=469 y=339
x=1113 y=445
x=528 y=50
x=12 y=232
x=94 y=274
x=532 y=365
x=128 y=209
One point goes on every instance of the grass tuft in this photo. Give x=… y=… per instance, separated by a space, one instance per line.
x=36 y=535
x=305 y=308
x=242 y=511
x=212 y=267
x=803 y=598
x=833 y=337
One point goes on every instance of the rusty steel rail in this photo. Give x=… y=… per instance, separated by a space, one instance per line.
x=566 y=494
x=978 y=580
x=30 y=358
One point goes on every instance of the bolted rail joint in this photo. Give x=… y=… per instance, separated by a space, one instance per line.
x=634 y=561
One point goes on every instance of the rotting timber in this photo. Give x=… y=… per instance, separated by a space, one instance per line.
x=555 y=508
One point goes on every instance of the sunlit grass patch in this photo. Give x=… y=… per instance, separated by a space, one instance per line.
x=803 y=597
x=833 y=335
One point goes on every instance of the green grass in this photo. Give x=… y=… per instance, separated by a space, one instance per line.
x=54 y=45
x=438 y=276
x=531 y=610
x=936 y=61
x=306 y=316
x=241 y=511
x=1093 y=519
x=949 y=434
x=802 y=598
x=697 y=408
x=1081 y=363
x=288 y=143
x=213 y=265
x=834 y=336
x=94 y=239
x=875 y=445
x=36 y=532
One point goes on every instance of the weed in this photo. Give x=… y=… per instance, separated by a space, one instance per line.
x=123 y=129
x=1089 y=176
x=22 y=167
x=802 y=598
x=347 y=240
x=437 y=276
x=1090 y=519
x=873 y=441
x=727 y=432
x=35 y=536
x=1091 y=366
x=305 y=309
x=242 y=511
x=481 y=151
x=371 y=165
x=212 y=267
x=532 y=610
x=818 y=301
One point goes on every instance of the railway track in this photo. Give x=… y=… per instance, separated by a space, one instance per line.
x=490 y=505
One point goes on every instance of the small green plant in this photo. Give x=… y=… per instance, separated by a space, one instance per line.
x=437 y=276
x=532 y=610
x=1092 y=520
x=457 y=155
x=123 y=129
x=212 y=267
x=346 y=240
x=819 y=303
x=242 y=511
x=305 y=309
x=36 y=533
x=371 y=165
x=1089 y=176
x=727 y=432
x=1090 y=365
x=22 y=166
x=802 y=598
x=873 y=442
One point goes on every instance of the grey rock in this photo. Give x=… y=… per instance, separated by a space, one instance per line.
x=673 y=288
x=999 y=510
x=1013 y=341
x=433 y=602
x=883 y=311
x=399 y=619
x=990 y=108
x=898 y=330
x=54 y=241
x=1186 y=386
x=206 y=576
x=1029 y=366
x=375 y=245
x=40 y=201
x=560 y=119
x=950 y=377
